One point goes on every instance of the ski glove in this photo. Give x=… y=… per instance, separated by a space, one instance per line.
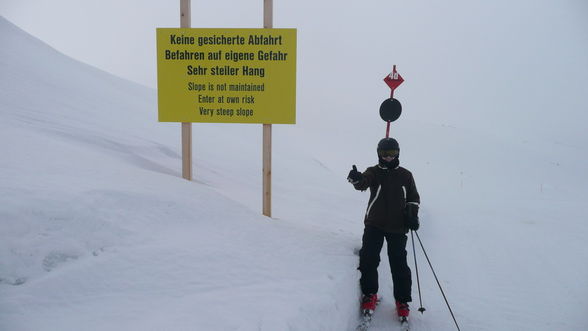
x=354 y=176
x=411 y=216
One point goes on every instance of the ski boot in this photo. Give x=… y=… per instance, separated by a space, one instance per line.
x=403 y=311
x=369 y=302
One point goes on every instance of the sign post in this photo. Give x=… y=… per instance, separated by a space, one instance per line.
x=268 y=9
x=185 y=22
x=227 y=75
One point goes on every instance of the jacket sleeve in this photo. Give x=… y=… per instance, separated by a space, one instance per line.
x=368 y=179
x=412 y=195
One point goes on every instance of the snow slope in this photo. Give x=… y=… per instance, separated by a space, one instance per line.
x=99 y=232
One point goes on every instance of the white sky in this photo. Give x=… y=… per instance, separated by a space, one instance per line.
x=487 y=62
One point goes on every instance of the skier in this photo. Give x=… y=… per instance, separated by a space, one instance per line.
x=392 y=210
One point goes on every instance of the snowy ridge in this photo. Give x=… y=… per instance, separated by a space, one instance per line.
x=93 y=205
x=99 y=232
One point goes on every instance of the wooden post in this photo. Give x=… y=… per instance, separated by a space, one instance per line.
x=187 y=150
x=267 y=130
x=185 y=22
x=267 y=170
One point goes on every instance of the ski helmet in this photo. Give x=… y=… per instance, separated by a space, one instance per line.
x=388 y=144
x=388 y=147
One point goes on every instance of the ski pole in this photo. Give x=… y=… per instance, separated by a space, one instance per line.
x=416 y=267
x=437 y=279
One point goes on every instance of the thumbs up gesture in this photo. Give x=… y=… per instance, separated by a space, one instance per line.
x=354 y=176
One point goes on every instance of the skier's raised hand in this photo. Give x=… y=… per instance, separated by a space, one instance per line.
x=354 y=176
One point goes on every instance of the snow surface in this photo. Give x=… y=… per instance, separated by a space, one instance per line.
x=98 y=231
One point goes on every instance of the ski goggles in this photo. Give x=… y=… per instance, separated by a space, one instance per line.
x=388 y=153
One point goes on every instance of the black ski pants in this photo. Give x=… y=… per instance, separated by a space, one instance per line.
x=369 y=259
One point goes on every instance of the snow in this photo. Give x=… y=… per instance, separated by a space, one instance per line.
x=98 y=231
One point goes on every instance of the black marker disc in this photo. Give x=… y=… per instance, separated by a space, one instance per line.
x=390 y=110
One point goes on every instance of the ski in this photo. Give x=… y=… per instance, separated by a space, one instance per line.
x=404 y=326
x=366 y=320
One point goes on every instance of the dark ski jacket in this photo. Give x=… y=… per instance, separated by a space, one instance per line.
x=390 y=191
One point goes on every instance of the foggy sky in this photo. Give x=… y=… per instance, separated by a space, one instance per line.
x=511 y=68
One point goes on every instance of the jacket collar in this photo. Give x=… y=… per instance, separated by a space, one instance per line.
x=386 y=168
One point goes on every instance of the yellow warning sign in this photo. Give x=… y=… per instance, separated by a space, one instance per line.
x=226 y=75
